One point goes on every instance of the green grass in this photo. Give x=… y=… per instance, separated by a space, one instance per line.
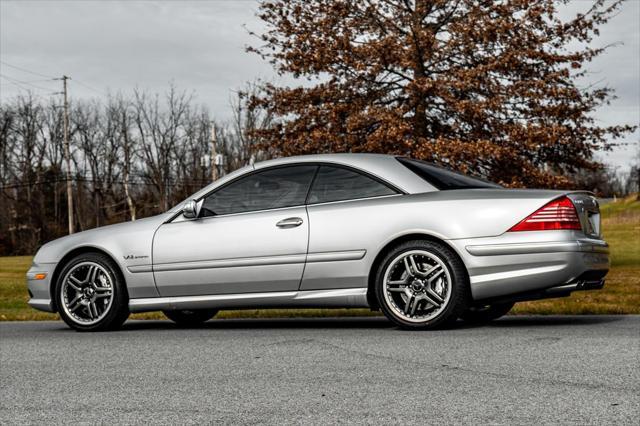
x=621 y=295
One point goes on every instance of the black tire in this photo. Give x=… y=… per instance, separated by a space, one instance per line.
x=190 y=317
x=451 y=308
x=117 y=311
x=483 y=314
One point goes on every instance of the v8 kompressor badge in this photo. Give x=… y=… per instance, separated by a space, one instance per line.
x=134 y=256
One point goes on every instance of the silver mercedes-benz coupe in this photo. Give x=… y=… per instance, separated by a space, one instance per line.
x=423 y=244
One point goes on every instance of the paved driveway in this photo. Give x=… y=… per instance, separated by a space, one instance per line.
x=522 y=370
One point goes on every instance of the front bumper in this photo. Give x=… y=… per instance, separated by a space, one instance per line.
x=40 y=289
x=510 y=265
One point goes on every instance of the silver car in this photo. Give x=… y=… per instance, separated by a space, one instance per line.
x=424 y=245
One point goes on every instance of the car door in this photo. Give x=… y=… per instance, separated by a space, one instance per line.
x=346 y=210
x=251 y=235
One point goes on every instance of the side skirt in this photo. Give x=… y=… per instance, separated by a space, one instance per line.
x=339 y=298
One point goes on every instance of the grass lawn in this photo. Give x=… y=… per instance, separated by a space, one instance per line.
x=621 y=295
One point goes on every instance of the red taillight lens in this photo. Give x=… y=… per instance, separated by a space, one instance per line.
x=558 y=214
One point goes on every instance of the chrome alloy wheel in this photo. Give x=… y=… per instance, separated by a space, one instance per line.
x=417 y=286
x=86 y=293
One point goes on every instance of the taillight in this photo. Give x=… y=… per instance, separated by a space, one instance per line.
x=558 y=214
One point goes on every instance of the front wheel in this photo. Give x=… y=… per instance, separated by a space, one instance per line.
x=190 y=317
x=422 y=285
x=90 y=294
x=486 y=313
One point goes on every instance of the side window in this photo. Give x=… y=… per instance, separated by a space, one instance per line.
x=270 y=189
x=338 y=183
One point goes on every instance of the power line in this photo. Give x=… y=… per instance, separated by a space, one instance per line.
x=89 y=87
x=11 y=79
x=35 y=81
x=192 y=182
x=30 y=91
x=48 y=78
x=19 y=86
x=26 y=70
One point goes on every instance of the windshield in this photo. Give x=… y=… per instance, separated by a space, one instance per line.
x=444 y=179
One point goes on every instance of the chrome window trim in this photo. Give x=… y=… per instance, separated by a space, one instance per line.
x=282 y=208
x=242 y=213
x=314 y=163
x=354 y=199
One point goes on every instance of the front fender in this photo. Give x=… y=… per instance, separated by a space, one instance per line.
x=129 y=244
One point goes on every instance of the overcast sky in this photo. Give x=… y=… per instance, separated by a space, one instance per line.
x=199 y=45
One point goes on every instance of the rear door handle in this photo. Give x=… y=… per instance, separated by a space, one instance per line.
x=290 y=222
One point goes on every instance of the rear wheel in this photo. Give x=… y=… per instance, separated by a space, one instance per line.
x=483 y=314
x=422 y=285
x=190 y=317
x=91 y=295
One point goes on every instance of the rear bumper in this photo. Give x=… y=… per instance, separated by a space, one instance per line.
x=508 y=266
x=591 y=280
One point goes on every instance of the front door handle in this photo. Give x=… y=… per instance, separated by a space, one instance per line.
x=290 y=222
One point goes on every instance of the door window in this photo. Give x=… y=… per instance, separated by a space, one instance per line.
x=339 y=183
x=269 y=189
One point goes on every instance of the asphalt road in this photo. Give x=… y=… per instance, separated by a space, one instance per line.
x=519 y=370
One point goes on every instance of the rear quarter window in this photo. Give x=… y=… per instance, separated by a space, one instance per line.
x=334 y=183
x=444 y=179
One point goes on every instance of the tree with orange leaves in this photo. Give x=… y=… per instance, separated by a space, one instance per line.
x=484 y=87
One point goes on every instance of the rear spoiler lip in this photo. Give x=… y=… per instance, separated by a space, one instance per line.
x=496 y=193
x=580 y=191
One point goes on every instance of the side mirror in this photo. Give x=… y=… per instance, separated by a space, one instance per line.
x=190 y=209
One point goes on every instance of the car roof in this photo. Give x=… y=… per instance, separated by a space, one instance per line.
x=383 y=166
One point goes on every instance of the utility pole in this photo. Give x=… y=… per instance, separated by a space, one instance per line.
x=214 y=153
x=67 y=154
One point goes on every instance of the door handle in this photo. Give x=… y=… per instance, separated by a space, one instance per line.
x=290 y=222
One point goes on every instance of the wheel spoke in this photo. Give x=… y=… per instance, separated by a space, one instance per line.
x=433 y=298
x=74 y=283
x=437 y=274
x=414 y=265
x=101 y=295
x=91 y=276
x=416 y=302
x=408 y=267
x=75 y=303
x=94 y=309
x=410 y=304
x=396 y=286
x=89 y=311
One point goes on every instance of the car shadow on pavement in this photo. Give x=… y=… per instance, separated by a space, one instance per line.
x=257 y=323
x=553 y=320
x=513 y=321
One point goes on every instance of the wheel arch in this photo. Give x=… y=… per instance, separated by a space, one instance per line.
x=371 y=279
x=70 y=255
